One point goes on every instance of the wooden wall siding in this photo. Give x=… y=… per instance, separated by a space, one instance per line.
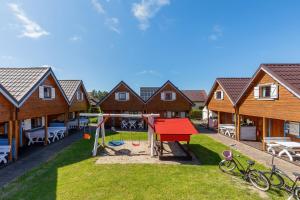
x=224 y=105
x=133 y=105
x=36 y=107
x=156 y=105
x=226 y=118
x=287 y=107
x=79 y=105
x=6 y=109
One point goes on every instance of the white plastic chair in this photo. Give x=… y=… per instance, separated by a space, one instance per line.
x=124 y=124
x=4 y=150
x=141 y=124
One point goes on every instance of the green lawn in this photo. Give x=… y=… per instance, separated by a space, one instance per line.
x=72 y=174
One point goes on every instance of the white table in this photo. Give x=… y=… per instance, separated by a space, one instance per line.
x=228 y=129
x=4 y=150
x=288 y=149
x=57 y=132
x=39 y=135
x=35 y=136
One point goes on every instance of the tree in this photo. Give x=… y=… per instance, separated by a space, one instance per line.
x=99 y=94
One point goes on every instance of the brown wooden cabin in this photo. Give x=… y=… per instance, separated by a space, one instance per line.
x=121 y=99
x=34 y=100
x=221 y=100
x=77 y=97
x=169 y=102
x=271 y=102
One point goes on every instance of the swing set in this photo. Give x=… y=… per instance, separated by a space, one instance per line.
x=102 y=118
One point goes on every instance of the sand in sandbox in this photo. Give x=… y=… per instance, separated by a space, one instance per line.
x=132 y=154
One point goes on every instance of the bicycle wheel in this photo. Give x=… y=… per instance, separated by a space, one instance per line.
x=227 y=166
x=297 y=193
x=275 y=179
x=259 y=180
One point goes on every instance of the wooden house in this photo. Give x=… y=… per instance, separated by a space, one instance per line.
x=122 y=99
x=77 y=97
x=35 y=98
x=222 y=99
x=169 y=102
x=270 y=103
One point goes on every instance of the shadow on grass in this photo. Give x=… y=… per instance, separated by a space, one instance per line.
x=41 y=182
x=205 y=155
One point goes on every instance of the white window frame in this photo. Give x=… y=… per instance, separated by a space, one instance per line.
x=216 y=95
x=50 y=88
x=79 y=95
x=270 y=98
x=172 y=94
x=120 y=94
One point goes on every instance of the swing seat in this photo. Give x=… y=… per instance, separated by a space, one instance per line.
x=116 y=143
x=135 y=144
x=86 y=136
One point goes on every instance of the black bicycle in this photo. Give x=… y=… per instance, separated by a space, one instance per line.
x=279 y=179
x=255 y=177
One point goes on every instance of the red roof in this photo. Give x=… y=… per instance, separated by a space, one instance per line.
x=195 y=95
x=174 y=126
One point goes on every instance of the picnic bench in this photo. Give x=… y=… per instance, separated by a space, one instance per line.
x=4 y=151
x=291 y=149
x=271 y=143
x=38 y=135
x=227 y=130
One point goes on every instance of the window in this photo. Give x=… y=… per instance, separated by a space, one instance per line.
x=122 y=96
x=47 y=92
x=168 y=96
x=265 y=91
x=219 y=95
x=36 y=122
x=79 y=96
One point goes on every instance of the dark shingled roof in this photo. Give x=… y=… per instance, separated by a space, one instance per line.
x=195 y=95
x=70 y=87
x=233 y=86
x=288 y=74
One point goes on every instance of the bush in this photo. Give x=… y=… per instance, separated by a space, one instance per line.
x=93 y=120
x=196 y=114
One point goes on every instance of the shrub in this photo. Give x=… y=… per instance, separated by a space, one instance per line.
x=196 y=114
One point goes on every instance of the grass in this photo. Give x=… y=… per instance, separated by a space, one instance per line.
x=72 y=174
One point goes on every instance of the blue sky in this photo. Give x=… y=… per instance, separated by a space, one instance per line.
x=146 y=42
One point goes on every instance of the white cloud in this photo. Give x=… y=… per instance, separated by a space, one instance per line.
x=98 y=6
x=149 y=72
x=113 y=24
x=147 y=9
x=30 y=28
x=217 y=32
x=75 y=38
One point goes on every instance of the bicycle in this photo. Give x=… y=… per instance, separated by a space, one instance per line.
x=277 y=179
x=256 y=178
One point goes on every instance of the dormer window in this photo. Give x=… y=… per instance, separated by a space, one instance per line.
x=219 y=95
x=266 y=92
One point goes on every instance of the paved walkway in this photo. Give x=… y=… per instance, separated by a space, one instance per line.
x=33 y=160
x=255 y=154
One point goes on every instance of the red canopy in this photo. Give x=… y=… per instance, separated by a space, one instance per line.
x=181 y=126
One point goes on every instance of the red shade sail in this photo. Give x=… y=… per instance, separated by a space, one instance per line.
x=180 y=126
